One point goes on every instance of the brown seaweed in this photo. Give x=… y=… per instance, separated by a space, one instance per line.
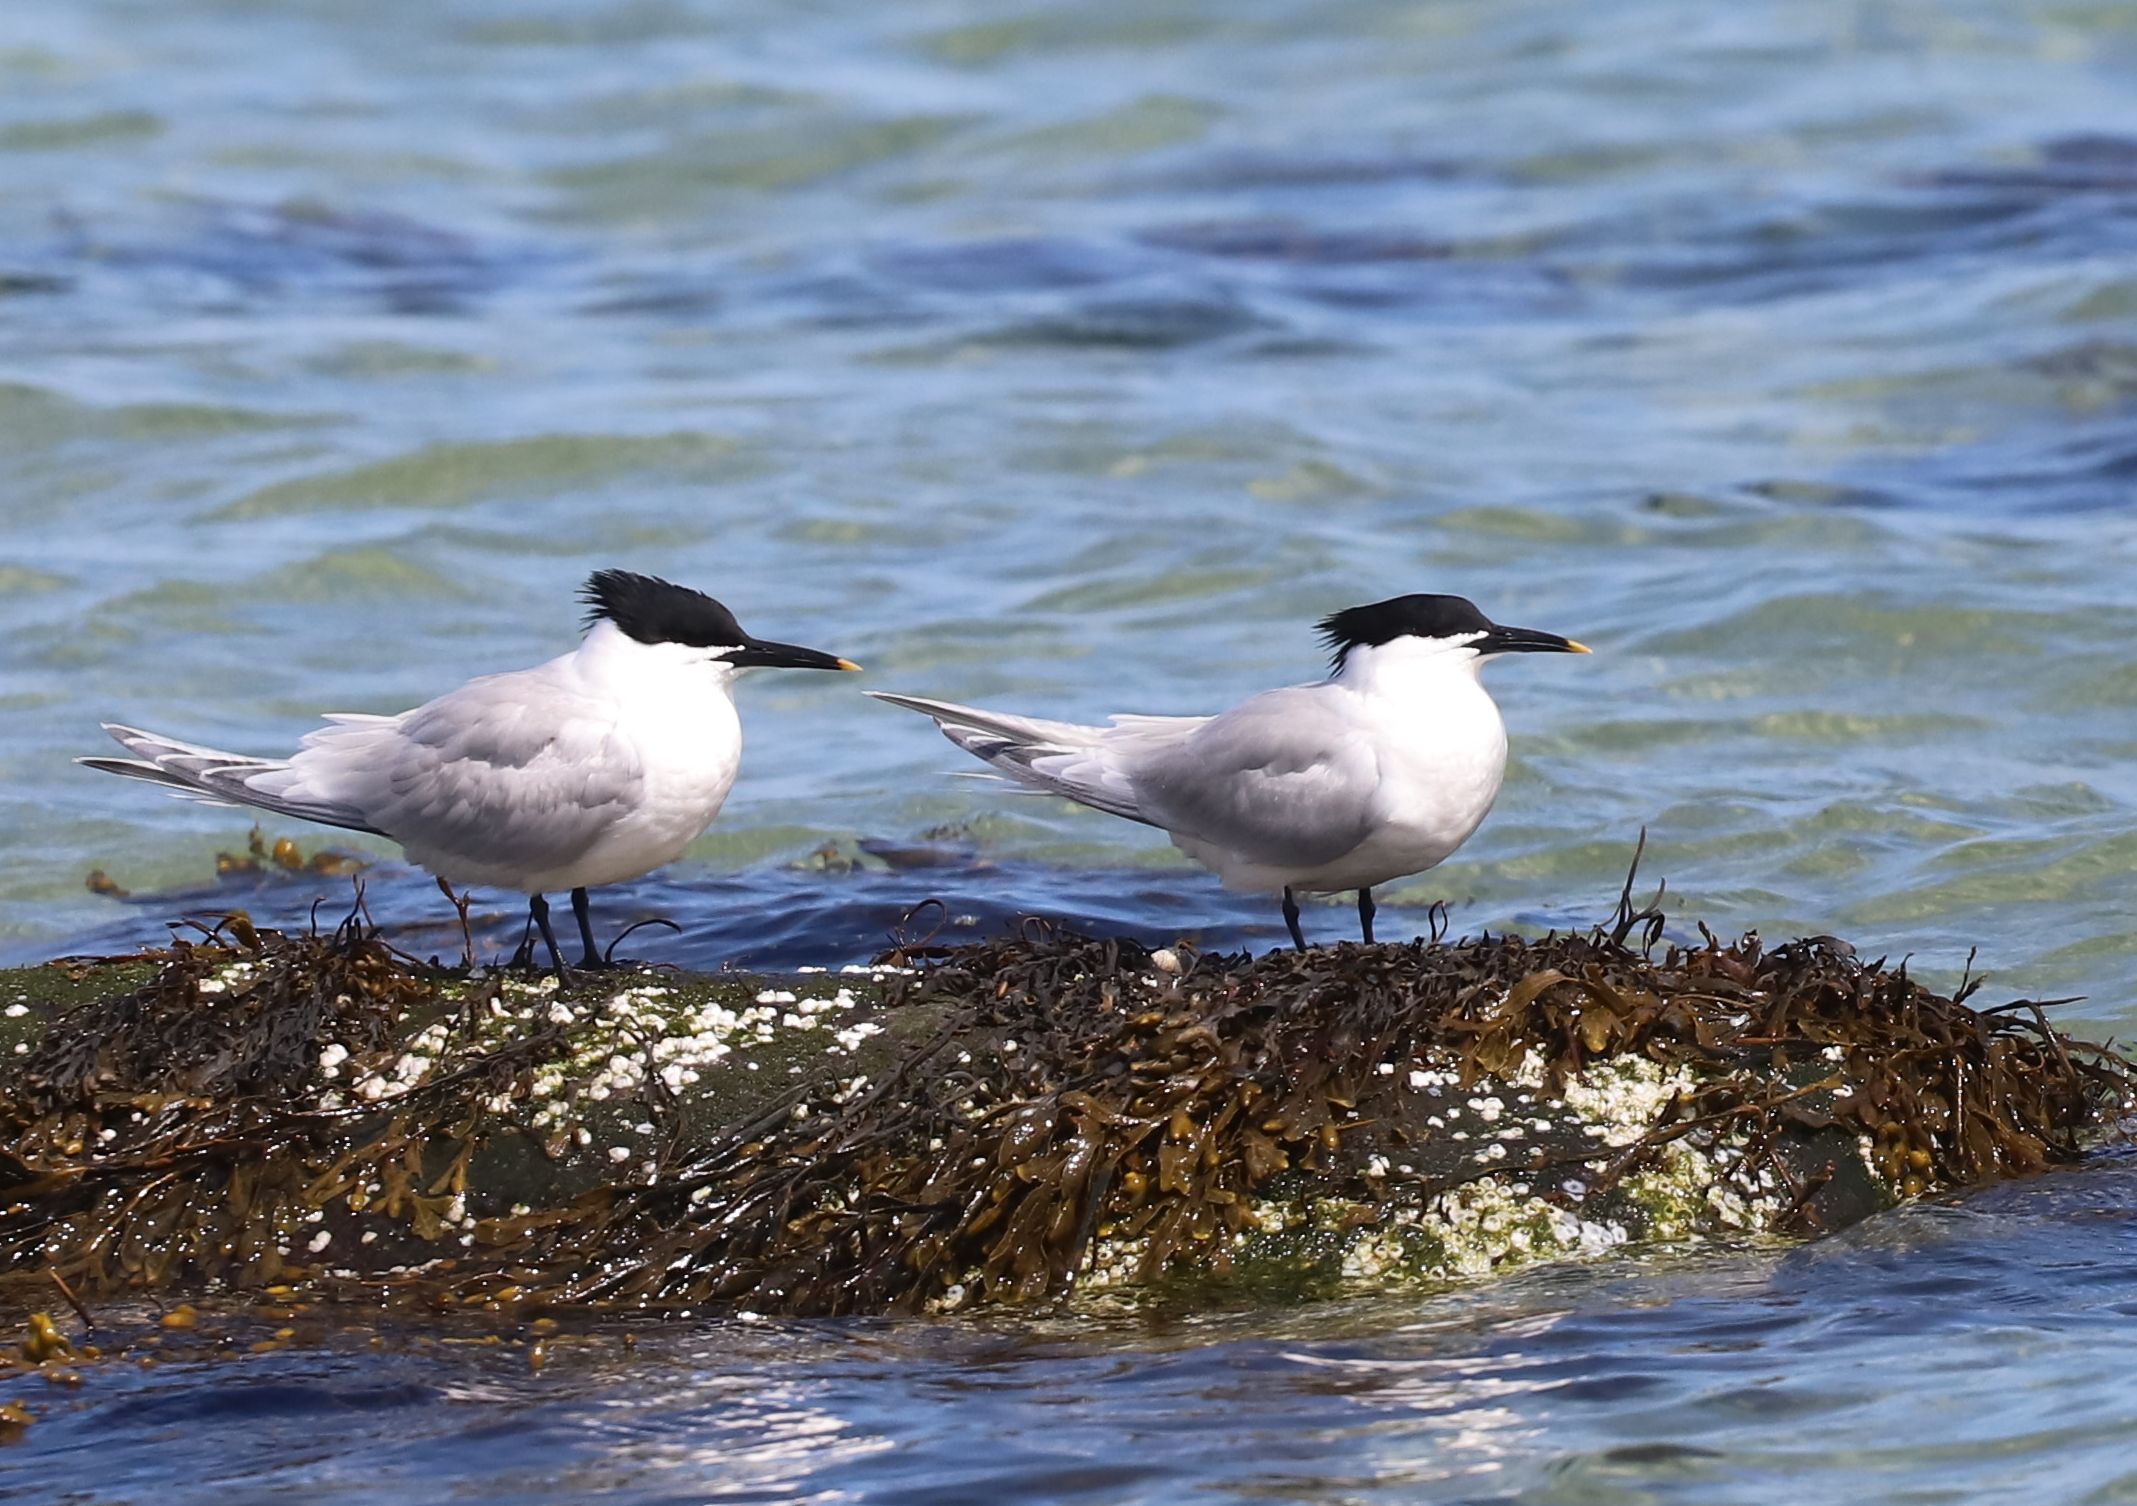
x=1071 y=1093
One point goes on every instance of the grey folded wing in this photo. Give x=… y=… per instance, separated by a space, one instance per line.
x=523 y=777
x=1277 y=780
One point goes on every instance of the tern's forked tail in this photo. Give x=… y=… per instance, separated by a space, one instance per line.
x=218 y=778
x=1059 y=758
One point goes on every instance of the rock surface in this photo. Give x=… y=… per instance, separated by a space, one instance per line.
x=1009 y=1122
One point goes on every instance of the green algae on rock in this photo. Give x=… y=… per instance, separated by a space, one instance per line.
x=1006 y=1122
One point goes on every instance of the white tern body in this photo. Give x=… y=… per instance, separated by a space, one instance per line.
x=603 y=764
x=1382 y=770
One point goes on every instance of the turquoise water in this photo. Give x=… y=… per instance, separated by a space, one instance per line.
x=1074 y=358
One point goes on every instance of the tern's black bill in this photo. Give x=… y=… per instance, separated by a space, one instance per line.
x=757 y=654
x=1511 y=640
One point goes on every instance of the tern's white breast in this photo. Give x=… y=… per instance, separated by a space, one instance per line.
x=1441 y=768
x=676 y=716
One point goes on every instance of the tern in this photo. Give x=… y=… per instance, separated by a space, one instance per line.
x=596 y=767
x=1379 y=771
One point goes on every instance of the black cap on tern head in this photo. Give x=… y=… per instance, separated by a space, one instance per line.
x=658 y=611
x=651 y=610
x=1425 y=616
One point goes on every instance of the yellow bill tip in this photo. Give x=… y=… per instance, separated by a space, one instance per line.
x=850 y=666
x=1575 y=646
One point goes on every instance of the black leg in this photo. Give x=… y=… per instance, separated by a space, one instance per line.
x=1366 y=911
x=580 y=911
x=1291 y=919
x=539 y=909
x=524 y=956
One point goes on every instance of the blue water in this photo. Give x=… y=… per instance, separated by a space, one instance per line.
x=1075 y=358
x=1948 y=1352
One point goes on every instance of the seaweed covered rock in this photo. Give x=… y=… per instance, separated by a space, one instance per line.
x=1006 y=1122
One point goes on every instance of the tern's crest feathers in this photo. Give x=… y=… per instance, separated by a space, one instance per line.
x=1400 y=617
x=653 y=610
